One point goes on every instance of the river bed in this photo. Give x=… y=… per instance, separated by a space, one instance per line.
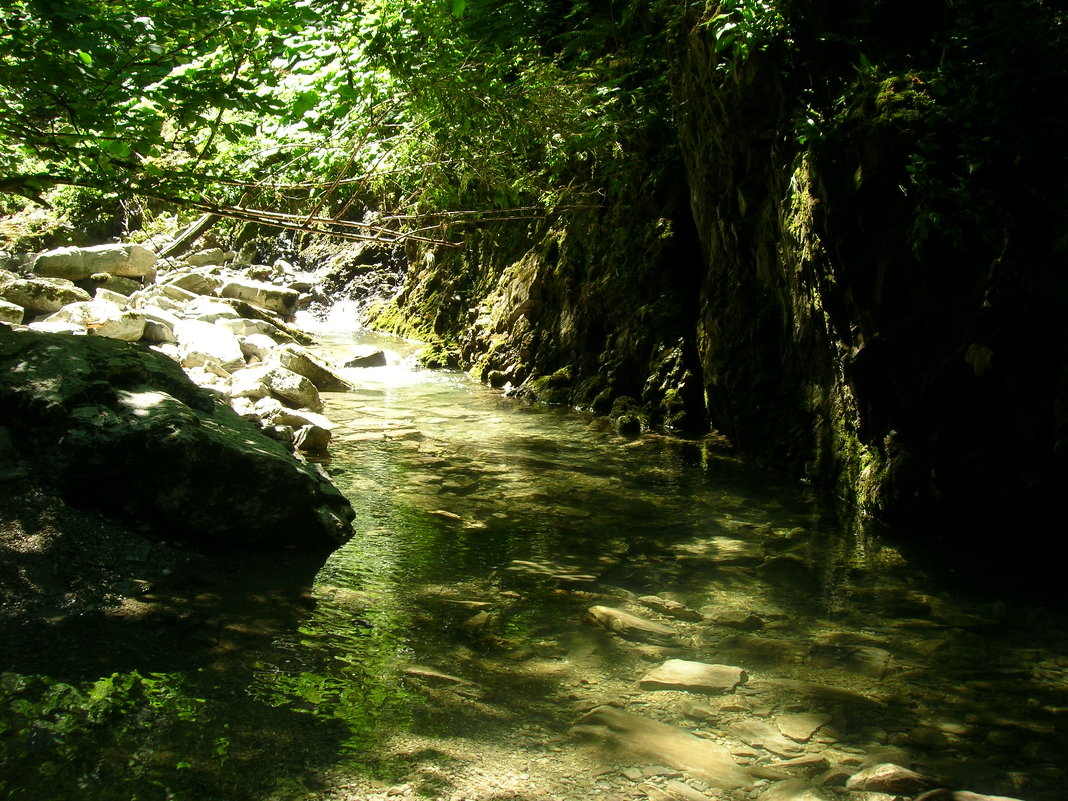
x=449 y=650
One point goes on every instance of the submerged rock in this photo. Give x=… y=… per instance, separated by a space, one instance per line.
x=632 y=626
x=122 y=429
x=665 y=744
x=680 y=674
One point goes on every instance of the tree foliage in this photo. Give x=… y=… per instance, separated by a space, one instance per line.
x=308 y=114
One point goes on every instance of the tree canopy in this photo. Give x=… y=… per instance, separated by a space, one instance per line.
x=305 y=114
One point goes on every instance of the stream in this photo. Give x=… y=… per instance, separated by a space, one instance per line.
x=448 y=650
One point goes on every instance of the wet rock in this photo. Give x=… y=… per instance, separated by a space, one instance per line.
x=959 y=795
x=42 y=295
x=684 y=792
x=928 y=737
x=764 y=650
x=680 y=674
x=802 y=766
x=311 y=439
x=720 y=550
x=802 y=726
x=301 y=362
x=633 y=627
x=820 y=693
x=790 y=571
x=794 y=790
x=366 y=356
x=864 y=660
x=739 y=619
x=668 y=607
x=888 y=778
x=663 y=743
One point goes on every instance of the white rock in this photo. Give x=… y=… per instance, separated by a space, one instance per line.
x=250 y=383
x=129 y=261
x=195 y=282
x=117 y=298
x=257 y=346
x=59 y=327
x=209 y=310
x=266 y=296
x=301 y=362
x=294 y=390
x=198 y=340
x=178 y=294
x=42 y=295
x=301 y=417
x=103 y=318
x=66 y=262
x=208 y=256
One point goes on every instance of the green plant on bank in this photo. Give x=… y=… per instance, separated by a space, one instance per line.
x=60 y=730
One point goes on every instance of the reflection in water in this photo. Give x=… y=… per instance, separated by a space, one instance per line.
x=449 y=648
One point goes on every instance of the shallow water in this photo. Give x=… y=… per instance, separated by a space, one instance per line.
x=448 y=650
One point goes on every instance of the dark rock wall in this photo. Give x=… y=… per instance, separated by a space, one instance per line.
x=855 y=272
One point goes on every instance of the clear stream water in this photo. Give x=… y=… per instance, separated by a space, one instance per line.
x=446 y=651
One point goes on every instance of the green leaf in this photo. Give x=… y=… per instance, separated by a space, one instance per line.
x=459 y=7
x=86 y=58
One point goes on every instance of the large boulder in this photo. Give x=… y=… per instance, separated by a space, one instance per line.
x=266 y=296
x=300 y=361
x=75 y=264
x=104 y=318
x=42 y=295
x=202 y=342
x=121 y=428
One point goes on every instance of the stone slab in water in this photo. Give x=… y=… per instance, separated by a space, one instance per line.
x=802 y=726
x=633 y=627
x=888 y=778
x=680 y=674
x=762 y=735
x=665 y=744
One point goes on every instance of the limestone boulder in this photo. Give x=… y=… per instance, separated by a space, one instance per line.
x=202 y=258
x=102 y=317
x=257 y=346
x=124 y=260
x=42 y=295
x=121 y=429
x=301 y=362
x=293 y=389
x=267 y=296
x=200 y=342
x=196 y=282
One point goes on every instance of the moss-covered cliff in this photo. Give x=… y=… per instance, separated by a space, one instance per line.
x=853 y=268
